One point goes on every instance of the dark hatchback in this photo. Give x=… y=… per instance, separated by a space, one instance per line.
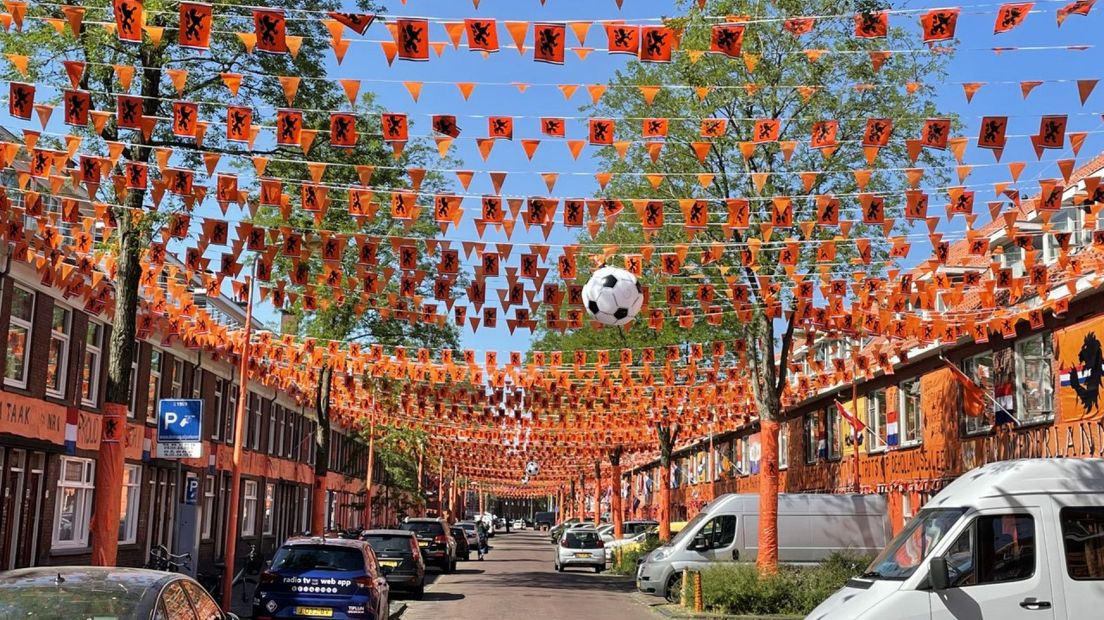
x=322 y=578
x=436 y=542
x=104 y=592
x=463 y=549
x=399 y=558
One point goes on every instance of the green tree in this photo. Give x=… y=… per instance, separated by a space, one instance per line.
x=763 y=84
x=101 y=51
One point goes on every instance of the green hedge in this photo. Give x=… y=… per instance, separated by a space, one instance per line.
x=741 y=589
x=625 y=562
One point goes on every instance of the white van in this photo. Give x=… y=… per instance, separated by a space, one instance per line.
x=810 y=527
x=1010 y=540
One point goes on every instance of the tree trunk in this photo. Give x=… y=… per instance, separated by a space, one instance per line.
x=107 y=501
x=582 y=498
x=615 y=493
x=322 y=450
x=768 y=497
x=664 y=513
x=597 y=493
x=369 y=487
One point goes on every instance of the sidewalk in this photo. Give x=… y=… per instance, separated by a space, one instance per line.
x=677 y=612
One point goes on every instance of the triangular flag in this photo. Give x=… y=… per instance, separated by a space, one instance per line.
x=415 y=89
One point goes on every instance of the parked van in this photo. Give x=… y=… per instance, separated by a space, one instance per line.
x=810 y=528
x=1014 y=539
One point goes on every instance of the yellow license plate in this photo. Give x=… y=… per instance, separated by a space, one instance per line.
x=389 y=563
x=582 y=555
x=423 y=543
x=314 y=612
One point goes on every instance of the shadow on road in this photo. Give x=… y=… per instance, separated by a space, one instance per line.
x=577 y=579
x=442 y=596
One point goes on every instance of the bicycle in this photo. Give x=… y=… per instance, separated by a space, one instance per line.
x=212 y=582
x=163 y=560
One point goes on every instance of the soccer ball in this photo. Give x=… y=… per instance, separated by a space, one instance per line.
x=525 y=479
x=613 y=296
x=532 y=469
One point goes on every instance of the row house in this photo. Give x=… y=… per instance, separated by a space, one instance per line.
x=1042 y=389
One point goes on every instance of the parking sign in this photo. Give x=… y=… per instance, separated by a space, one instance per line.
x=179 y=424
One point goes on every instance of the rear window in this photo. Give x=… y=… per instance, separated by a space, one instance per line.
x=318 y=557
x=389 y=543
x=424 y=528
x=1083 y=537
x=583 y=540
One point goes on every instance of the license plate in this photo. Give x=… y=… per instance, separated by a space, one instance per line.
x=582 y=555
x=423 y=543
x=314 y=612
x=389 y=563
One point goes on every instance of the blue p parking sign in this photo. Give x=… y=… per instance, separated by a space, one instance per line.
x=179 y=428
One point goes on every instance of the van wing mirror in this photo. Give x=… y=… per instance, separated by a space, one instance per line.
x=938 y=574
x=701 y=544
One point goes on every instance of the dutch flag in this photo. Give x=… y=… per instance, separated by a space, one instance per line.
x=891 y=428
x=72 y=417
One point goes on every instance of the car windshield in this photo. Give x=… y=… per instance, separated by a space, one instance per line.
x=687 y=529
x=73 y=598
x=582 y=539
x=468 y=526
x=424 y=529
x=908 y=550
x=318 y=557
x=389 y=543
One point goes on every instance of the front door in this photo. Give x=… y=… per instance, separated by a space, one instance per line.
x=996 y=570
x=720 y=533
x=26 y=547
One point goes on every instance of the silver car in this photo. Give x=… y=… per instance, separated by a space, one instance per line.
x=581 y=547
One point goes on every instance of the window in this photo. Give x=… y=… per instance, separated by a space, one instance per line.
x=220 y=409
x=196 y=388
x=19 y=337
x=1069 y=220
x=176 y=390
x=979 y=369
x=254 y=437
x=208 y=515
x=745 y=456
x=814 y=438
x=784 y=445
x=720 y=531
x=1035 y=379
x=834 y=432
x=1013 y=258
x=128 y=516
x=156 y=359
x=279 y=422
x=249 y=509
x=74 y=508
x=908 y=395
x=93 y=353
x=995 y=549
x=1083 y=537
x=876 y=419
x=133 y=385
x=57 y=361
x=269 y=508
x=231 y=396
x=272 y=429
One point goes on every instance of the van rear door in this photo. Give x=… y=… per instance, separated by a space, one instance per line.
x=998 y=568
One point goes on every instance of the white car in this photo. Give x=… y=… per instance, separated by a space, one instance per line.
x=632 y=540
x=518 y=524
x=580 y=547
x=606 y=532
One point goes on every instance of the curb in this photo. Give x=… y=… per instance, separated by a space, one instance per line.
x=676 y=612
x=396 y=613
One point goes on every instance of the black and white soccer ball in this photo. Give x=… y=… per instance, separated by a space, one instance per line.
x=613 y=296
x=532 y=468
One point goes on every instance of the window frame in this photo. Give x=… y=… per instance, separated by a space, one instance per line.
x=91 y=362
x=65 y=339
x=783 y=446
x=82 y=516
x=1062 y=516
x=249 y=508
x=27 y=325
x=176 y=387
x=984 y=424
x=904 y=427
x=208 y=507
x=812 y=437
x=268 y=513
x=833 y=431
x=972 y=531
x=220 y=411
x=155 y=373
x=132 y=490
x=1025 y=417
x=876 y=420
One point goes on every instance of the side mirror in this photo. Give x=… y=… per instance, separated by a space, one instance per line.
x=938 y=574
x=701 y=544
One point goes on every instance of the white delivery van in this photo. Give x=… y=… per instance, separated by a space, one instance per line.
x=810 y=527
x=1010 y=540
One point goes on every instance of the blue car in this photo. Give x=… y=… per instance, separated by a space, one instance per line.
x=321 y=577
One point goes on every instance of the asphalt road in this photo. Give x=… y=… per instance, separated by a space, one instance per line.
x=517 y=580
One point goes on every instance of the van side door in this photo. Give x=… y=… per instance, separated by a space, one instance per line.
x=998 y=568
x=720 y=533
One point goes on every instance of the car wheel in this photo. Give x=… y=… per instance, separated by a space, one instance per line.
x=598 y=569
x=674 y=589
x=559 y=569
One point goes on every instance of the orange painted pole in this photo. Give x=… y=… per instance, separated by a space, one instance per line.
x=854 y=431
x=615 y=499
x=441 y=491
x=371 y=472
x=239 y=436
x=597 y=493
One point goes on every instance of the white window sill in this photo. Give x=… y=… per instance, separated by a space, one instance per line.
x=68 y=546
x=15 y=383
x=88 y=404
x=54 y=394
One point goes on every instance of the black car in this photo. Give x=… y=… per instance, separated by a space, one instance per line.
x=435 y=540
x=400 y=558
x=463 y=550
x=104 y=592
